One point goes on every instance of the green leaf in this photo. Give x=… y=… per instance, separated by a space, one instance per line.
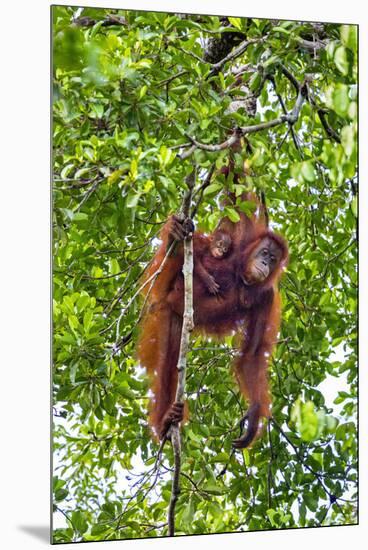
x=98 y=109
x=124 y=391
x=82 y=302
x=165 y=156
x=306 y=419
x=66 y=170
x=132 y=200
x=338 y=99
x=280 y=29
x=255 y=81
x=115 y=176
x=188 y=512
x=212 y=189
x=114 y=266
x=61 y=494
x=354 y=206
x=112 y=121
x=109 y=404
x=311 y=501
x=349 y=36
x=80 y=217
x=194 y=437
x=231 y=214
x=341 y=60
x=271 y=514
x=133 y=170
x=307 y=171
x=247 y=207
x=213 y=489
x=236 y=22
x=87 y=319
x=79 y=522
x=73 y=322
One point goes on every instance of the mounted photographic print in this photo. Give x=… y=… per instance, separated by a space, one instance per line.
x=204 y=274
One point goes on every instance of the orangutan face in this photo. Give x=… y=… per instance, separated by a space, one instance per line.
x=263 y=261
x=220 y=245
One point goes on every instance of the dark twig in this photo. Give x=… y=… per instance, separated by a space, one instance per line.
x=265 y=209
x=284 y=110
x=322 y=116
x=171 y=78
x=151 y=280
x=89 y=193
x=269 y=473
x=290 y=77
x=187 y=52
x=180 y=145
x=201 y=189
x=317 y=475
x=320 y=110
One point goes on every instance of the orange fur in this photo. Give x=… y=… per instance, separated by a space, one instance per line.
x=254 y=310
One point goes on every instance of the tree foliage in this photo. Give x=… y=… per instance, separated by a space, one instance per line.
x=130 y=88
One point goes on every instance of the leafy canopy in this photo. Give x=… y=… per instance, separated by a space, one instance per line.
x=127 y=92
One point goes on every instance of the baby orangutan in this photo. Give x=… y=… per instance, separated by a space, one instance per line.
x=217 y=247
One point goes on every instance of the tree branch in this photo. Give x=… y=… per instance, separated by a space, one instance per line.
x=188 y=153
x=236 y=52
x=320 y=110
x=322 y=116
x=311 y=45
x=151 y=280
x=109 y=21
x=284 y=110
x=290 y=77
x=187 y=328
x=201 y=189
x=171 y=78
x=214 y=148
x=291 y=118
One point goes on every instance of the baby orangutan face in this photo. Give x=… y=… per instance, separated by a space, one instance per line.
x=220 y=245
x=262 y=261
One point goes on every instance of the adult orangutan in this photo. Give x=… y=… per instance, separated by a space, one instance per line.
x=240 y=294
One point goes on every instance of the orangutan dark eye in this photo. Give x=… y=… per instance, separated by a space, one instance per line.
x=264 y=252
